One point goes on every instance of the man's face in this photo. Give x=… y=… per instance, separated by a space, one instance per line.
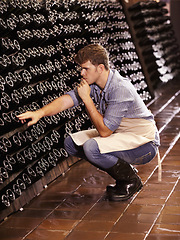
x=89 y=72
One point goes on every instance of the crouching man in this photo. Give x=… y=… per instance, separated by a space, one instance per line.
x=125 y=133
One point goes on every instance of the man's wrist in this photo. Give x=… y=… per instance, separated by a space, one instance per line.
x=87 y=100
x=40 y=113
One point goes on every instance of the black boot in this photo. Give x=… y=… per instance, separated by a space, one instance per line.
x=127 y=181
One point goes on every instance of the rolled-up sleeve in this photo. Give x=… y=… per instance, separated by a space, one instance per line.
x=75 y=97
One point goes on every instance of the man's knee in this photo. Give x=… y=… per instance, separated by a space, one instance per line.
x=68 y=145
x=90 y=147
x=67 y=141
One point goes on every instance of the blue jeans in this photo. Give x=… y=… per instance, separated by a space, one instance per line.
x=90 y=151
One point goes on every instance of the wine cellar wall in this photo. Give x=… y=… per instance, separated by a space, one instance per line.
x=38 y=42
x=154 y=37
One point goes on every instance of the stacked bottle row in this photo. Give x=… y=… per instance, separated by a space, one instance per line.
x=156 y=39
x=36 y=67
x=38 y=43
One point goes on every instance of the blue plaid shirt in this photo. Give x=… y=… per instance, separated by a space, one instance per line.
x=118 y=99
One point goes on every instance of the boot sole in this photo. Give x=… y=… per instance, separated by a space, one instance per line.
x=117 y=198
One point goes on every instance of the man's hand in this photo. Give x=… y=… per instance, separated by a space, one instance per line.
x=58 y=105
x=84 y=90
x=34 y=116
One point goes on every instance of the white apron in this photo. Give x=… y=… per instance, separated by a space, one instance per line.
x=131 y=133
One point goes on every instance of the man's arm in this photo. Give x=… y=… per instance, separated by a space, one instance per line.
x=97 y=119
x=58 y=105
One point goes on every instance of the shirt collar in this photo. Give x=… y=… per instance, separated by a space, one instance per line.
x=111 y=73
x=109 y=80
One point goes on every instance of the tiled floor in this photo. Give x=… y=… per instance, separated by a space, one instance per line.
x=74 y=206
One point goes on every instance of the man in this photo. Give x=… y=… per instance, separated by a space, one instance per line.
x=125 y=132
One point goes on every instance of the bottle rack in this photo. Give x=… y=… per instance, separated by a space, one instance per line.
x=38 y=42
x=155 y=40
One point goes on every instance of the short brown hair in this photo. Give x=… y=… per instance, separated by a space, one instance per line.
x=95 y=53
